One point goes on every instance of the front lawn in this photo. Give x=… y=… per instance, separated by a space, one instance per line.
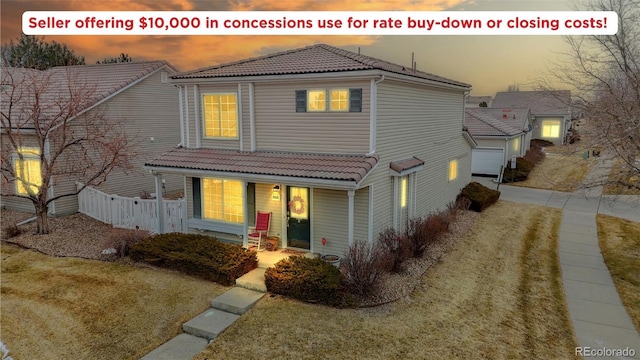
x=496 y=294
x=70 y=308
x=558 y=172
x=619 y=241
x=619 y=173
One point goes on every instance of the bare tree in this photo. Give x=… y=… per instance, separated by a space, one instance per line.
x=604 y=72
x=51 y=131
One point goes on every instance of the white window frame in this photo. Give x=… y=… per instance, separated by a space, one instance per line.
x=204 y=119
x=202 y=202
x=29 y=153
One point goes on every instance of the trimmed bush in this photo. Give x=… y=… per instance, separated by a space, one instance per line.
x=311 y=280
x=480 y=196
x=199 y=255
x=520 y=173
x=534 y=155
x=10 y=231
x=540 y=143
x=362 y=267
x=121 y=240
x=396 y=248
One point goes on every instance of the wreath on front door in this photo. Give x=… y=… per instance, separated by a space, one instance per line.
x=296 y=205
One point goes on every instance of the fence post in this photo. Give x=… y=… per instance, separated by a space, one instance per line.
x=159 y=212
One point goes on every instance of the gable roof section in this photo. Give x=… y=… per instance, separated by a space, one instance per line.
x=101 y=81
x=540 y=102
x=479 y=123
x=319 y=58
x=516 y=117
x=342 y=168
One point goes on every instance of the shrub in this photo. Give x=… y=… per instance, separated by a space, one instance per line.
x=312 y=280
x=199 y=255
x=534 y=155
x=520 y=173
x=480 y=196
x=362 y=267
x=11 y=230
x=540 y=143
x=396 y=249
x=121 y=240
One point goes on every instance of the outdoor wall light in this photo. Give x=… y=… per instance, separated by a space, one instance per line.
x=276 y=188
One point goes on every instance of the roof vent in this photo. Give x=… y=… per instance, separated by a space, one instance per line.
x=504 y=116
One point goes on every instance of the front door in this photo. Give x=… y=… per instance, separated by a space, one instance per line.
x=298 y=218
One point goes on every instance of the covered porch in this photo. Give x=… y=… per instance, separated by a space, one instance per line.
x=309 y=197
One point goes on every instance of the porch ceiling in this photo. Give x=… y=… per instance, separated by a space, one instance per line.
x=348 y=168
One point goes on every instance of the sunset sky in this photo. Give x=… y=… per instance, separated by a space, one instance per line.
x=488 y=63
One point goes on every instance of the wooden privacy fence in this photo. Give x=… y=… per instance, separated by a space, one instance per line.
x=132 y=212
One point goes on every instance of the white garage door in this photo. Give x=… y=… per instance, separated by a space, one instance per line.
x=486 y=161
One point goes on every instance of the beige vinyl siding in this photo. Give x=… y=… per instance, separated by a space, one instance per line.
x=280 y=128
x=424 y=122
x=196 y=117
x=264 y=203
x=361 y=215
x=330 y=220
x=245 y=117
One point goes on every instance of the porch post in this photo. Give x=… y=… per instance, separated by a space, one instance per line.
x=351 y=194
x=159 y=208
x=245 y=215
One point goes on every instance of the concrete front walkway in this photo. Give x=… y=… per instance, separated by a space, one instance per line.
x=599 y=319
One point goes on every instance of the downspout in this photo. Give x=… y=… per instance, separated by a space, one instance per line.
x=350 y=231
x=186 y=122
x=373 y=114
x=252 y=118
x=181 y=109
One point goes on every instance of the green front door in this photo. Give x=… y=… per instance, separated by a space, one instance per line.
x=298 y=218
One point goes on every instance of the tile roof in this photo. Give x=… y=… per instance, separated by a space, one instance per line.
x=319 y=58
x=402 y=165
x=540 y=102
x=517 y=117
x=351 y=168
x=480 y=123
x=98 y=81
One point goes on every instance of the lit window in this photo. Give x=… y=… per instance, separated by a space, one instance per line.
x=222 y=200
x=551 y=129
x=516 y=144
x=220 y=115
x=339 y=100
x=453 y=169
x=28 y=172
x=317 y=100
x=403 y=192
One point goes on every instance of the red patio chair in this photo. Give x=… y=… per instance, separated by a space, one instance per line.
x=258 y=233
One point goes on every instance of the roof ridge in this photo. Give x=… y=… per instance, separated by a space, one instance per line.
x=494 y=123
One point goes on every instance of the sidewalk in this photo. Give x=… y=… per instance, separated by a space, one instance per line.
x=598 y=317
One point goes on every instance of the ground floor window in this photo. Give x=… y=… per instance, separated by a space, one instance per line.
x=222 y=200
x=405 y=199
x=551 y=129
x=516 y=144
x=453 y=169
x=28 y=172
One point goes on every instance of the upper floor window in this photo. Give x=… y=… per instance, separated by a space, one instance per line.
x=322 y=100
x=28 y=173
x=220 y=113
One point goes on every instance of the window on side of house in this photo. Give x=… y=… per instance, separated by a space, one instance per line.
x=28 y=171
x=220 y=114
x=222 y=200
x=551 y=129
x=405 y=206
x=516 y=144
x=453 y=169
x=332 y=100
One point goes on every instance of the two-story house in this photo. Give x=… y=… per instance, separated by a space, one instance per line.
x=334 y=144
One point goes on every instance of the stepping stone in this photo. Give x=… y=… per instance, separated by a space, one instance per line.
x=253 y=280
x=237 y=300
x=183 y=346
x=210 y=323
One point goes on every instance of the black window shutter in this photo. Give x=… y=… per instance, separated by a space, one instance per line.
x=301 y=100
x=197 y=199
x=355 y=100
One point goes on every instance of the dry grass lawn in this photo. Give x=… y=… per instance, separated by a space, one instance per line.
x=496 y=295
x=558 y=172
x=616 y=174
x=70 y=308
x=620 y=244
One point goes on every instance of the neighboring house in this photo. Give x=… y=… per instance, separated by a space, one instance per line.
x=139 y=94
x=550 y=110
x=475 y=101
x=336 y=145
x=500 y=134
